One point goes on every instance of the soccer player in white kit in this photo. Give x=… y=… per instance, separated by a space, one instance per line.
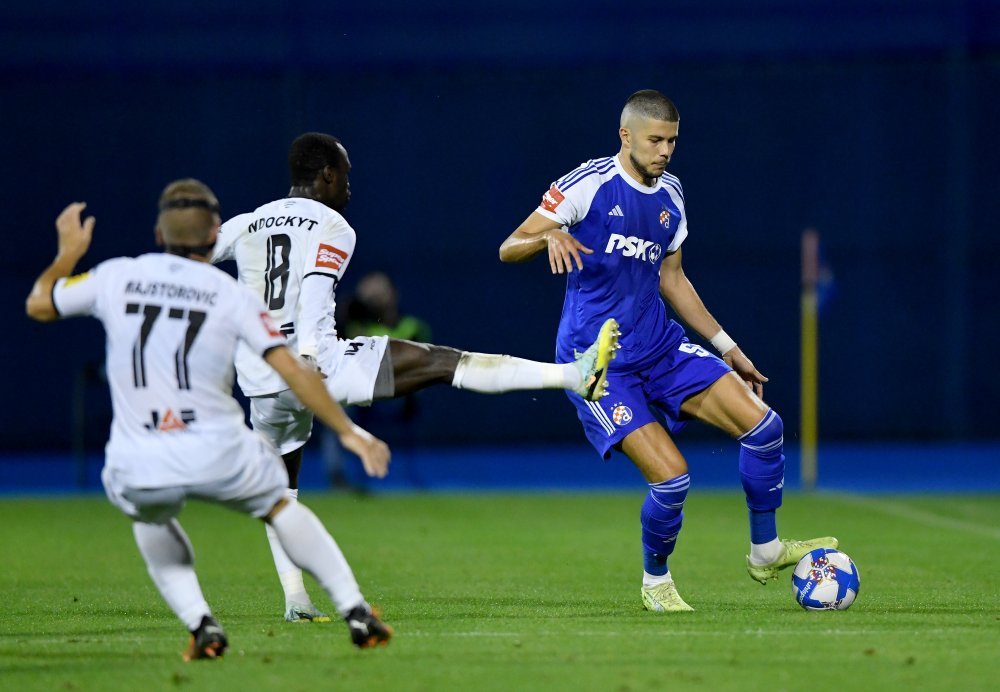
x=173 y=322
x=293 y=252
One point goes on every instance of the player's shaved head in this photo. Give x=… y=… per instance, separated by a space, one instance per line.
x=648 y=132
x=649 y=104
x=311 y=153
x=189 y=211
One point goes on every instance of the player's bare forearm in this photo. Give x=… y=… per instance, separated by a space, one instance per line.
x=687 y=304
x=521 y=246
x=39 y=305
x=74 y=239
x=539 y=233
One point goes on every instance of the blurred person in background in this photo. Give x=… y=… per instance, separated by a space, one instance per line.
x=373 y=310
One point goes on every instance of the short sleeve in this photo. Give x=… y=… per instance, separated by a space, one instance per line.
x=559 y=207
x=676 y=192
x=568 y=199
x=77 y=295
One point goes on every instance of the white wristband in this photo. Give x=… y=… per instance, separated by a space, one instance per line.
x=723 y=342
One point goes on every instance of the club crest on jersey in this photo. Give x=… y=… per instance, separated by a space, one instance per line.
x=169 y=421
x=621 y=414
x=330 y=257
x=665 y=218
x=552 y=199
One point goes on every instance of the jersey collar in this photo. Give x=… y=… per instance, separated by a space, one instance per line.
x=631 y=181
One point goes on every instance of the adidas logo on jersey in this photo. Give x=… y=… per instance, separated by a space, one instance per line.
x=617 y=211
x=634 y=247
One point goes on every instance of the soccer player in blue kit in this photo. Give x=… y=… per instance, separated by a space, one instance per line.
x=615 y=226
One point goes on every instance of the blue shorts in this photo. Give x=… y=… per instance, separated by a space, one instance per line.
x=653 y=394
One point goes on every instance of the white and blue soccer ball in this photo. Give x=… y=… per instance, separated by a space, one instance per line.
x=826 y=579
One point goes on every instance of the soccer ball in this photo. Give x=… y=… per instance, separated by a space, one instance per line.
x=825 y=579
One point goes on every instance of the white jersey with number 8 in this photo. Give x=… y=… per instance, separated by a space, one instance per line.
x=278 y=247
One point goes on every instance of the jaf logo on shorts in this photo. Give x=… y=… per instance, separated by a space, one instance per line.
x=621 y=414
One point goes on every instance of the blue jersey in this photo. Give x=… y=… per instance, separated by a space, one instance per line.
x=630 y=228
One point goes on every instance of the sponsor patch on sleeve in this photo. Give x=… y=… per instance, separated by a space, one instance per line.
x=330 y=257
x=269 y=324
x=552 y=199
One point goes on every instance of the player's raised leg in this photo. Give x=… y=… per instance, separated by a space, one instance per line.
x=313 y=549
x=661 y=463
x=730 y=405
x=416 y=366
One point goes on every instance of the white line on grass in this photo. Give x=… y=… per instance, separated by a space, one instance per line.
x=11 y=648
x=674 y=632
x=897 y=509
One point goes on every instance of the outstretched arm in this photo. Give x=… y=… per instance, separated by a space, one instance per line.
x=74 y=240
x=538 y=233
x=308 y=387
x=679 y=292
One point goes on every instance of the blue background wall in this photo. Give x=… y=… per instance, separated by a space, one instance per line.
x=872 y=121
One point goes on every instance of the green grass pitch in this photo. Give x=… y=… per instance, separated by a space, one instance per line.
x=512 y=592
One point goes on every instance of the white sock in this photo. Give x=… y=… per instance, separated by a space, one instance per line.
x=288 y=573
x=492 y=374
x=170 y=560
x=650 y=580
x=312 y=548
x=765 y=553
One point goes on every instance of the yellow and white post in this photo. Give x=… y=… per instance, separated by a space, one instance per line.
x=809 y=424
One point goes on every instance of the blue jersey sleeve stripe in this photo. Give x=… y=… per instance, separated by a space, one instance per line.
x=674 y=186
x=577 y=172
x=674 y=181
x=564 y=188
x=589 y=173
x=589 y=166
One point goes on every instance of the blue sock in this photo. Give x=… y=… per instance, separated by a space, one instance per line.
x=763 y=527
x=661 y=518
x=762 y=471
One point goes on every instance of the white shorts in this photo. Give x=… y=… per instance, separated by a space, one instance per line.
x=282 y=419
x=257 y=482
x=357 y=371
